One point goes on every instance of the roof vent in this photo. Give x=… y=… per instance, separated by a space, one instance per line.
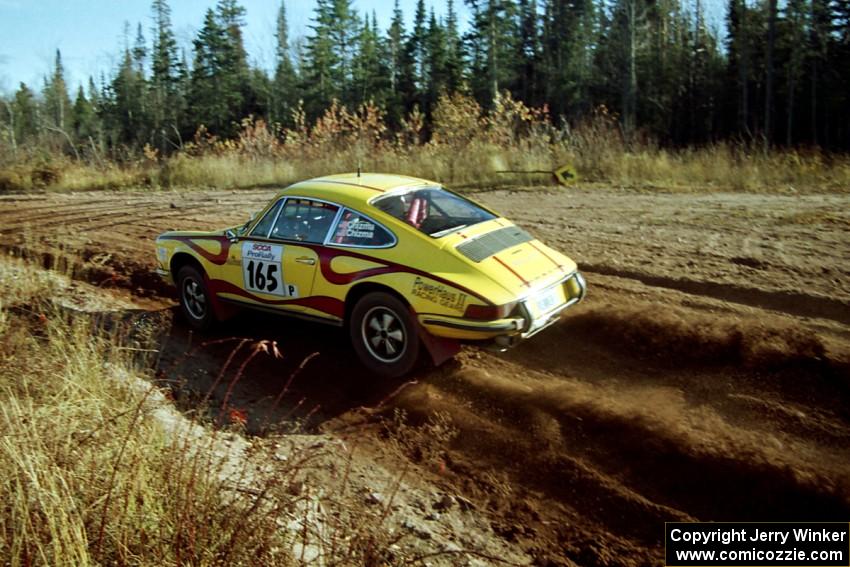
x=484 y=246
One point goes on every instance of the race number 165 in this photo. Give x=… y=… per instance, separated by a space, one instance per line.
x=262 y=276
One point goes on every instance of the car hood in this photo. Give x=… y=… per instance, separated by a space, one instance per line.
x=509 y=256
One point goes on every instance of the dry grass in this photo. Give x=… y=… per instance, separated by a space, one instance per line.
x=467 y=146
x=724 y=167
x=97 y=468
x=89 y=475
x=64 y=174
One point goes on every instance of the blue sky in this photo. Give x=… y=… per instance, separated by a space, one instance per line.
x=90 y=33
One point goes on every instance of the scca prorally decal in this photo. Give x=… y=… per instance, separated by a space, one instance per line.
x=438 y=294
x=262 y=268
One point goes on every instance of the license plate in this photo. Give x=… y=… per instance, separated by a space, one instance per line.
x=549 y=299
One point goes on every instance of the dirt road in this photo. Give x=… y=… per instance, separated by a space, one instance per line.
x=707 y=375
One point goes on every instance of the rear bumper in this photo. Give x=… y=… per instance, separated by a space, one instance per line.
x=505 y=333
x=467 y=329
x=575 y=288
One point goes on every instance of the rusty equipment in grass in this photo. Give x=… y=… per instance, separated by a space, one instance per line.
x=564 y=175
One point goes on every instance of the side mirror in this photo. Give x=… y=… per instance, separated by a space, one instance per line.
x=244 y=228
x=230 y=235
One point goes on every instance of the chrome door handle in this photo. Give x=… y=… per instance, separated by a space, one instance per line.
x=306 y=260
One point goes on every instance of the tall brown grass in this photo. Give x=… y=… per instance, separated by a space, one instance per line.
x=97 y=468
x=465 y=145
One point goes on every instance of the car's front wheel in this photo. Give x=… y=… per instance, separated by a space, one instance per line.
x=194 y=298
x=384 y=334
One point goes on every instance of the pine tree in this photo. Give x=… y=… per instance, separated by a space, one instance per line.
x=402 y=74
x=284 y=94
x=222 y=87
x=416 y=46
x=231 y=17
x=233 y=72
x=769 y=74
x=184 y=124
x=492 y=39
x=818 y=52
x=436 y=62
x=344 y=30
x=529 y=52
x=839 y=81
x=57 y=103
x=140 y=50
x=83 y=117
x=322 y=61
x=97 y=106
x=626 y=38
x=395 y=46
x=168 y=103
x=209 y=100
x=737 y=47
x=127 y=120
x=795 y=58
x=454 y=50
x=369 y=73
x=25 y=110
x=712 y=84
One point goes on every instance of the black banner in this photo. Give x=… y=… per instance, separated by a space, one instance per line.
x=757 y=544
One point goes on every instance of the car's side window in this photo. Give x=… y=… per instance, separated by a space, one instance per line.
x=304 y=220
x=262 y=228
x=355 y=229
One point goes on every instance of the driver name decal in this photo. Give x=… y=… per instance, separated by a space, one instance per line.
x=438 y=294
x=360 y=229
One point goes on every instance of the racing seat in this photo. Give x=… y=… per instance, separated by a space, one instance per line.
x=417 y=212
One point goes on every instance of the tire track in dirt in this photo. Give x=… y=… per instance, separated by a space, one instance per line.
x=67 y=213
x=75 y=216
x=70 y=211
x=793 y=302
x=52 y=206
x=625 y=414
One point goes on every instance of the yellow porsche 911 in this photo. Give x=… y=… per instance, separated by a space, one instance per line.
x=402 y=263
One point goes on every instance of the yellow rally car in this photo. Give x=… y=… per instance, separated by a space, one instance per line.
x=401 y=262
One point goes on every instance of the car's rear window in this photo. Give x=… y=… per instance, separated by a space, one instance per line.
x=433 y=210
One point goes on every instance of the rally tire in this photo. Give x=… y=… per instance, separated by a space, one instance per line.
x=195 y=301
x=384 y=334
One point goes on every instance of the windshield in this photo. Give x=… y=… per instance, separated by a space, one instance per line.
x=433 y=210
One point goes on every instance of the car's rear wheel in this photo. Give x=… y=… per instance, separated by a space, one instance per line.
x=194 y=298
x=384 y=334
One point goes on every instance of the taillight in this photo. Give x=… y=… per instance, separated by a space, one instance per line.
x=489 y=312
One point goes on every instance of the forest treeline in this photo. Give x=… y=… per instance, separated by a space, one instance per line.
x=780 y=74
